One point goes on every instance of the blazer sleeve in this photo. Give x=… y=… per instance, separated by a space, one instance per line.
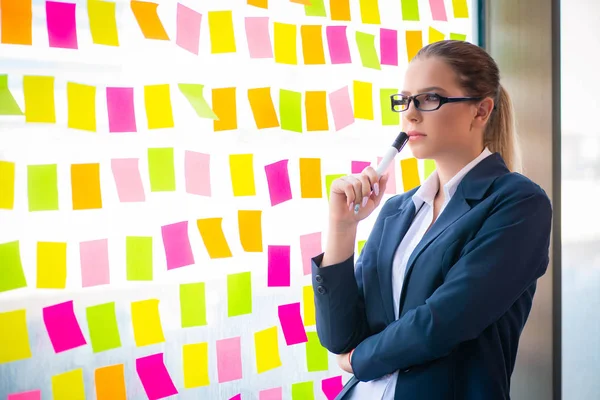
x=507 y=255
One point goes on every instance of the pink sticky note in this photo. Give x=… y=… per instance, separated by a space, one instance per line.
x=271 y=394
x=62 y=327
x=332 y=386
x=279 y=266
x=341 y=108
x=229 y=359
x=259 y=38
x=197 y=173
x=236 y=397
x=60 y=21
x=388 y=46
x=31 y=395
x=128 y=180
x=155 y=377
x=93 y=257
x=358 y=166
x=438 y=10
x=121 y=112
x=339 y=51
x=177 y=245
x=188 y=28
x=310 y=246
x=278 y=181
x=291 y=323
x=390 y=187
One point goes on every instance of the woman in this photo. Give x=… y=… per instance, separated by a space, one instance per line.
x=437 y=300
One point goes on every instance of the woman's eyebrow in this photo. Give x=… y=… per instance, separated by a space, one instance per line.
x=427 y=89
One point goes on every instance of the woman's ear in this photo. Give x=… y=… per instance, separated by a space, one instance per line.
x=484 y=110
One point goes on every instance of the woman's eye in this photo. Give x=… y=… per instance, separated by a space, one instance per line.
x=431 y=97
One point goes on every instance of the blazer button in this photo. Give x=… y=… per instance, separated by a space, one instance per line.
x=319 y=278
x=406 y=370
x=321 y=290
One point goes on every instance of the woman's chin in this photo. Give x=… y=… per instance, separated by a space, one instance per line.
x=419 y=151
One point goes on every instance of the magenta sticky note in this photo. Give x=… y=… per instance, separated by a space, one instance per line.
x=310 y=246
x=155 y=377
x=271 y=394
x=278 y=266
x=438 y=10
x=177 y=245
x=291 y=323
x=337 y=41
x=341 y=108
x=358 y=166
x=390 y=186
x=236 y=397
x=128 y=180
x=188 y=28
x=30 y=395
x=332 y=386
x=388 y=46
x=60 y=21
x=278 y=181
x=62 y=327
x=121 y=111
x=197 y=173
x=93 y=257
x=259 y=38
x=229 y=359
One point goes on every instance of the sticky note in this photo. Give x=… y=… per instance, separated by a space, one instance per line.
x=331 y=387
x=329 y=180
x=341 y=108
x=369 y=12
x=360 y=246
x=340 y=10
x=239 y=294
x=193 y=93
x=356 y=167
x=363 y=100
x=271 y=394
x=311 y=184
x=159 y=112
x=366 y=48
x=128 y=180
x=177 y=245
x=414 y=42
x=410 y=10
x=435 y=35
x=285 y=43
x=438 y=10
x=15 y=22
x=211 y=231
x=62 y=327
x=42 y=187
x=195 y=365
x=388 y=117
x=225 y=108
x=51 y=265
x=93 y=257
x=291 y=323
x=161 y=168
x=29 y=395
x=236 y=397
x=192 y=302
x=229 y=359
x=188 y=29
x=310 y=246
x=222 y=36
x=390 y=186
x=8 y=104
x=85 y=186
x=39 y=99
x=303 y=391
x=259 y=3
x=461 y=9
x=458 y=36
x=429 y=168
x=250 y=229
x=262 y=107
x=68 y=385
x=103 y=22
x=7 y=185
x=14 y=336
x=290 y=110
x=110 y=382
x=138 y=261
x=145 y=319
x=61 y=24
x=103 y=327
x=315 y=103
x=312 y=44
x=410 y=173
x=242 y=174
x=315 y=9
x=308 y=299
x=388 y=46
x=278 y=181
x=121 y=110
x=155 y=377
x=258 y=37
x=146 y=15
x=337 y=42
x=278 y=266
x=316 y=355
x=197 y=173
x=266 y=346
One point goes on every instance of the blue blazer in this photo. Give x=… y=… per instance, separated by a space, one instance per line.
x=468 y=290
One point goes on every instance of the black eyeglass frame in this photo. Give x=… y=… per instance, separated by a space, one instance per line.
x=443 y=100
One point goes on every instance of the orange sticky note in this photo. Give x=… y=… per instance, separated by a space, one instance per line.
x=222 y=36
x=285 y=43
x=340 y=10
x=110 y=383
x=435 y=35
x=15 y=22
x=303 y=2
x=82 y=106
x=146 y=14
x=312 y=44
x=7 y=185
x=225 y=107
x=259 y=3
x=213 y=237
x=250 y=227
x=316 y=111
x=263 y=108
x=410 y=173
x=414 y=43
x=85 y=186
x=311 y=184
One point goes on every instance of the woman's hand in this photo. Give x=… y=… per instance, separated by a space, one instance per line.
x=343 y=361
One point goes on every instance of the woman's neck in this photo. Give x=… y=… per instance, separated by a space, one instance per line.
x=448 y=167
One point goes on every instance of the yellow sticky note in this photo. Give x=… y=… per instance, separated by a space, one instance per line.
x=82 y=106
x=159 y=111
x=311 y=183
x=414 y=43
x=51 y=265
x=68 y=386
x=262 y=107
x=429 y=168
x=410 y=173
x=266 y=345
x=285 y=43
x=145 y=319
x=435 y=35
x=85 y=186
x=225 y=107
x=39 y=99
x=250 y=228
x=363 y=100
x=312 y=44
x=195 y=365
x=222 y=36
x=7 y=185
x=369 y=12
x=361 y=245
x=308 y=299
x=315 y=103
x=211 y=231
x=461 y=9
x=14 y=337
x=103 y=22
x=242 y=174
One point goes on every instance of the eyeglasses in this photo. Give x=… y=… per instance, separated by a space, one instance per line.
x=425 y=101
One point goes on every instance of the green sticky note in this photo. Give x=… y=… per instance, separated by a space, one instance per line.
x=239 y=294
x=366 y=48
x=103 y=327
x=193 y=92
x=139 y=258
x=316 y=9
x=11 y=269
x=429 y=167
x=161 y=168
x=290 y=110
x=316 y=354
x=388 y=117
x=361 y=245
x=192 y=301
x=303 y=391
x=329 y=180
x=42 y=187
x=410 y=10
x=458 y=36
x=8 y=104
